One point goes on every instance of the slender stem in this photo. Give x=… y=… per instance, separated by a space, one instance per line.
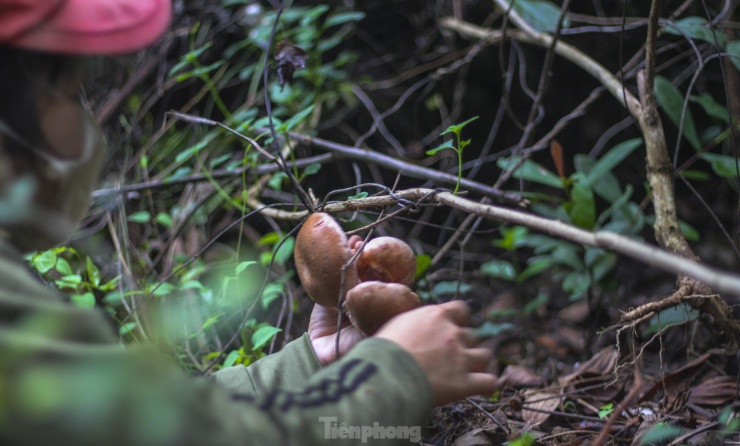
x=459 y=170
x=459 y=162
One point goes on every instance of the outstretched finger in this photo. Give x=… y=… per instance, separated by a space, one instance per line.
x=457 y=311
x=481 y=384
x=477 y=359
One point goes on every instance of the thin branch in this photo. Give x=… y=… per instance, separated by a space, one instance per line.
x=567 y=51
x=406 y=168
x=654 y=256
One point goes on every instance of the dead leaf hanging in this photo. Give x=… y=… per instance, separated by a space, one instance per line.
x=289 y=58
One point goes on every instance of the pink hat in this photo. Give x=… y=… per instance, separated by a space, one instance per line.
x=83 y=26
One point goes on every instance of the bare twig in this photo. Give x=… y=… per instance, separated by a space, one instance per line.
x=567 y=51
x=406 y=168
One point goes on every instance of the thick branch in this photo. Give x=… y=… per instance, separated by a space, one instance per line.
x=659 y=167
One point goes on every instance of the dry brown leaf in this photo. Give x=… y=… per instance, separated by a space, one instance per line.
x=600 y=364
x=484 y=436
x=518 y=376
x=715 y=391
x=538 y=405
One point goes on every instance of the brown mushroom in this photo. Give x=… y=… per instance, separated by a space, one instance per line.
x=369 y=305
x=321 y=249
x=387 y=259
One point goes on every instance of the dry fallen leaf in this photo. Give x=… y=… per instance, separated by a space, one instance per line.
x=518 y=376
x=715 y=391
x=538 y=405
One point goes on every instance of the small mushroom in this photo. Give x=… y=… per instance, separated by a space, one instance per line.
x=321 y=249
x=387 y=259
x=371 y=304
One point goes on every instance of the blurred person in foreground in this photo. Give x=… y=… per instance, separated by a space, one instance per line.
x=64 y=376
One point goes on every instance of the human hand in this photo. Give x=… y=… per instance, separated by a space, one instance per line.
x=322 y=330
x=435 y=337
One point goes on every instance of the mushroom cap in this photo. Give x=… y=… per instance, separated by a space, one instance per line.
x=371 y=304
x=387 y=259
x=321 y=249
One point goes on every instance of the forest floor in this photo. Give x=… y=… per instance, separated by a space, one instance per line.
x=568 y=378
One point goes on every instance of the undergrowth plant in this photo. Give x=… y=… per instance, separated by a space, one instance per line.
x=458 y=146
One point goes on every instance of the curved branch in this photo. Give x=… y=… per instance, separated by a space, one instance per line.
x=528 y=34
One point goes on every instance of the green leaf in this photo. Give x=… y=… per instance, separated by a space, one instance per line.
x=312 y=169
x=606 y=410
x=93 y=273
x=309 y=17
x=297 y=118
x=581 y=208
x=444 y=145
x=71 y=281
x=270 y=238
x=499 y=269
x=659 y=433
x=536 y=266
x=542 y=15
x=489 y=329
x=512 y=237
x=711 y=107
x=231 y=358
x=525 y=440
x=576 y=284
x=611 y=159
x=358 y=196
x=450 y=287
x=283 y=254
x=343 y=17
x=733 y=48
x=670 y=99
x=243 y=265
x=423 y=262
x=531 y=171
x=264 y=335
x=276 y=181
x=723 y=165
x=696 y=28
x=689 y=231
x=164 y=219
x=139 y=217
x=188 y=58
x=16 y=198
x=533 y=305
x=86 y=300
x=163 y=289
x=273 y=290
x=698 y=175
x=457 y=128
x=45 y=261
x=63 y=267
x=195 y=148
x=600 y=262
x=126 y=328
x=674 y=315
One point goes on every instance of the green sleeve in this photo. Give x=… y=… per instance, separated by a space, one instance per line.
x=65 y=380
x=290 y=368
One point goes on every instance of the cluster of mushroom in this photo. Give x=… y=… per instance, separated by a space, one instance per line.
x=377 y=283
